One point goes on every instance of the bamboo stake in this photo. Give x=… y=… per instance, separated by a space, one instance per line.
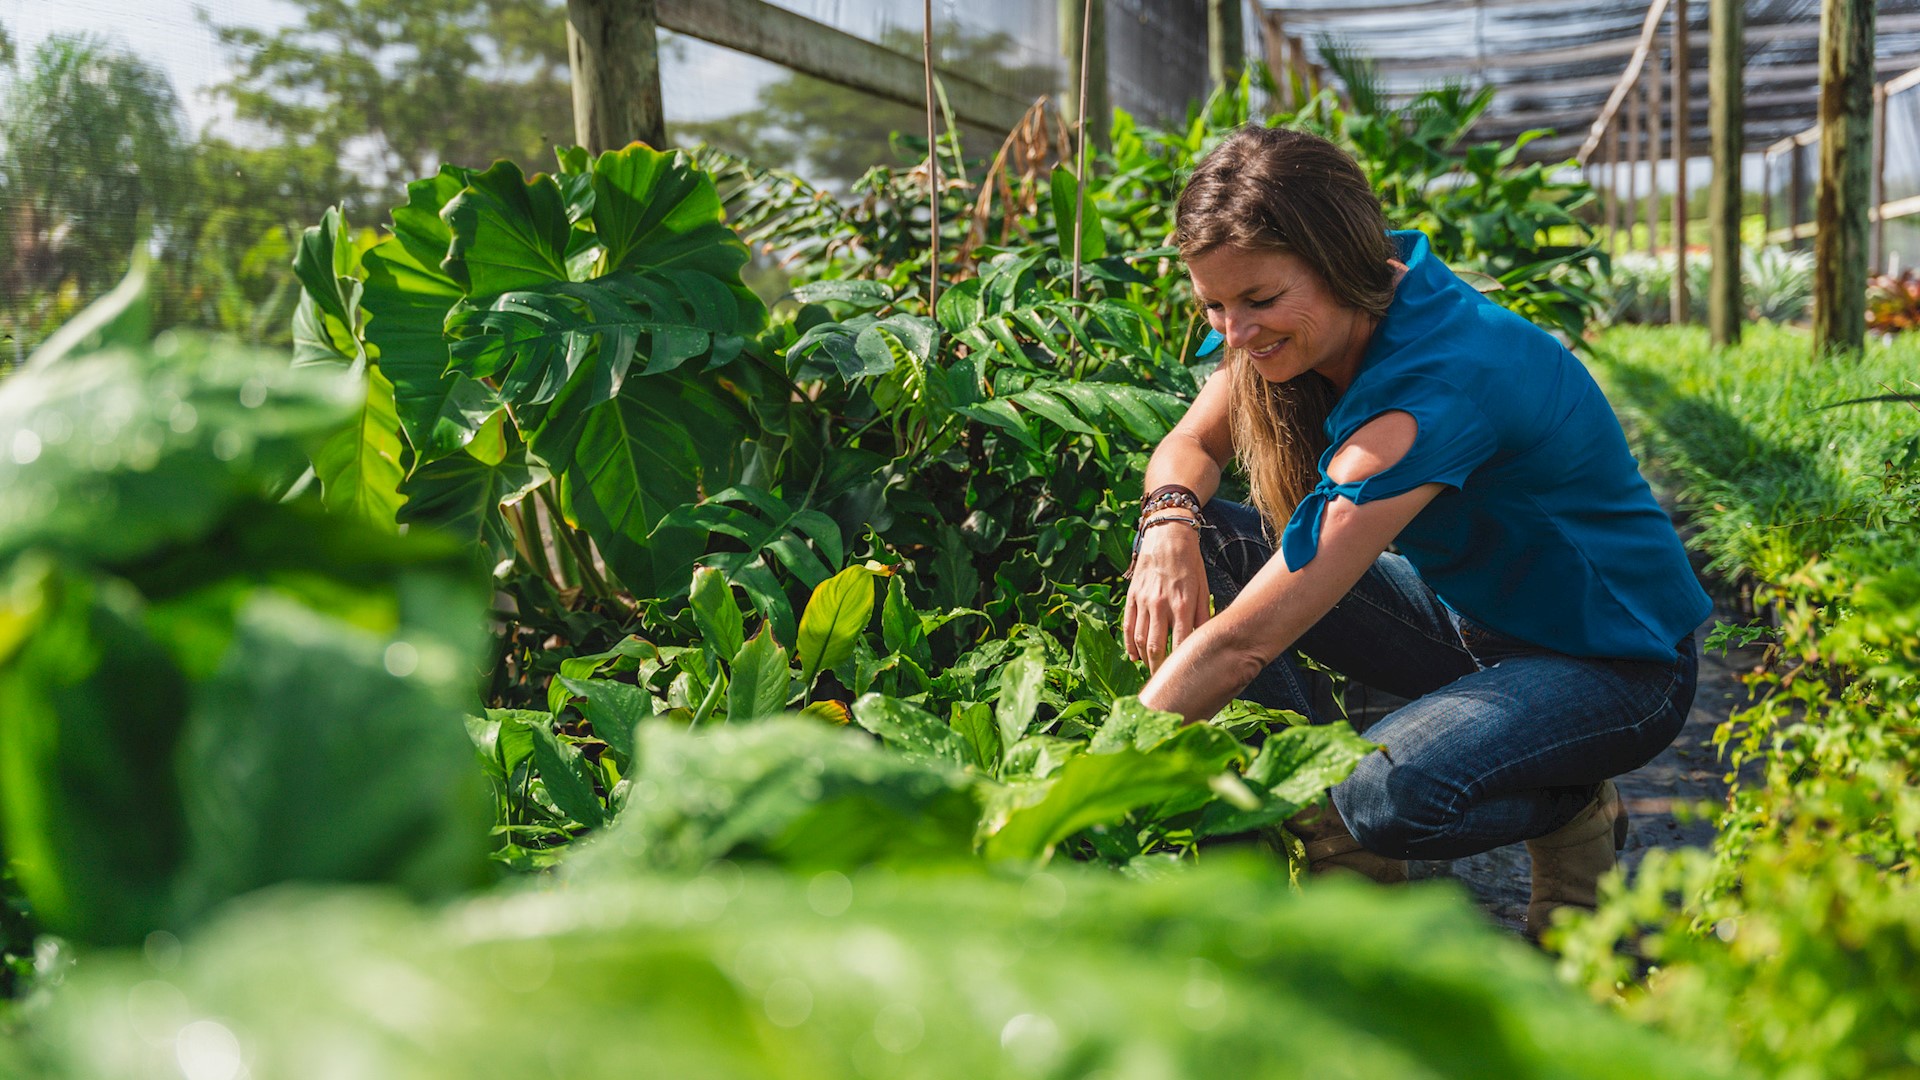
x=933 y=164
x=1653 y=153
x=1080 y=155
x=1682 y=128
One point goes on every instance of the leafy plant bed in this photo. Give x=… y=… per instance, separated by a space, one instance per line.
x=1804 y=474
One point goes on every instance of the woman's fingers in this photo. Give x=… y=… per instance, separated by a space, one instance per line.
x=1129 y=616
x=1157 y=627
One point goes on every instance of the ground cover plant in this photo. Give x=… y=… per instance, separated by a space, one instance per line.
x=1787 y=945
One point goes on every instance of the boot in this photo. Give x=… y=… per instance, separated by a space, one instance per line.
x=1568 y=862
x=1332 y=848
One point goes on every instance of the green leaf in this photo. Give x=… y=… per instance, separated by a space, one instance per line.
x=407 y=297
x=1020 y=684
x=760 y=679
x=900 y=625
x=359 y=468
x=805 y=541
x=327 y=325
x=911 y=730
x=1133 y=724
x=464 y=496
x=1093 y=240
x=1294 y=768
x=835 y=617
x=1095 y=788
x=975 y=723
x=862 y=294
x=714 y=611
x=1102 y=662
x=157 y=448
x=790 y=790
x=567 y=777
x=89 y=703
x=613 y=708
x=656 y=446
x=509 y=232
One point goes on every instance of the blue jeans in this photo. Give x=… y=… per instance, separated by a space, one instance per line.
x=1503 y=740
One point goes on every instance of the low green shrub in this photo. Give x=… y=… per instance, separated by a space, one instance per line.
x=1776 y=285
x=1790 y=945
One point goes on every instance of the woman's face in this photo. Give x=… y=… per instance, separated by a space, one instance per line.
x=1275 y=307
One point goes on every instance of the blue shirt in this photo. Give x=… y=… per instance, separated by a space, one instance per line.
x=1546 y=530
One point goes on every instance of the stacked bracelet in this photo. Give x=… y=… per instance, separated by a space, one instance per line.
x=1169 y=495
x=1170 y=519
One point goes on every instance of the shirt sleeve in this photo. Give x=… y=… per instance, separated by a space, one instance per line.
x=1454 y=438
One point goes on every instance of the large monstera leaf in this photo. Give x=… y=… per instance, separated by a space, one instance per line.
x=590 y=306
x=667 y=289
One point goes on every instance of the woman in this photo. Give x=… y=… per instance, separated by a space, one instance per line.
x=1539 y=610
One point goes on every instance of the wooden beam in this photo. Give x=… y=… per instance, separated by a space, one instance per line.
x=1724 y=66
x=1877 y=248
x=1226 y=42
x=1678 y=308
x=1634 y=157
x=615 y=64
x=1842 y=199
x=761 y=29
x=1651 y=83
x=1648 y=28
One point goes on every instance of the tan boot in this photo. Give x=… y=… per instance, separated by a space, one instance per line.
x=1332 y=848
x=1568 y=862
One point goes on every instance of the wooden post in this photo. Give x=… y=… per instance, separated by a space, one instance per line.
x=1090 y=20
x=1653 y=153
x=1633 y=157
x=1682 y=128
x=1846 y=153
x=1726 y=119
x=1610 y=168
x=615 y=61
x=1226 y=42
x=1796 y=193
x=1877 y=251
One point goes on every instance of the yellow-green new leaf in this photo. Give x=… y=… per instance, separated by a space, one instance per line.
x=359 y=468
x=835 y=618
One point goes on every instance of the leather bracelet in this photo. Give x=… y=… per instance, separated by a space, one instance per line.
x=1170 y=489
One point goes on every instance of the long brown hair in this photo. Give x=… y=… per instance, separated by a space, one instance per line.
x=1272 y=189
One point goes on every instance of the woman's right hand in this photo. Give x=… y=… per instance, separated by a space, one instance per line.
x=1168 y=595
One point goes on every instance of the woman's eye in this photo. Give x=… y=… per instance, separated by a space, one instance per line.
x=1263 y=303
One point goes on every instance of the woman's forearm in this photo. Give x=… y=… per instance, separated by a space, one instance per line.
x=1182 y=459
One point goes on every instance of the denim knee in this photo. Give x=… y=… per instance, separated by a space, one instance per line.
x=1394 y=810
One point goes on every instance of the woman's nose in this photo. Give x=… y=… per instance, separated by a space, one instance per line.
x=1239 y=330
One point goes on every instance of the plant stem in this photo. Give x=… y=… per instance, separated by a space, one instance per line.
x=526 y=529
x=707 y=703
x=582 y=555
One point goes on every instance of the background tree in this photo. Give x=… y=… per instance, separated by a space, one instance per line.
x=388 y=89
x=91 y=141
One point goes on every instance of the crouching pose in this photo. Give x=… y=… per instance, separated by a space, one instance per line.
x=1538 y=611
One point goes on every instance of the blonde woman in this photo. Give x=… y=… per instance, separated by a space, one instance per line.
x=1538 y=609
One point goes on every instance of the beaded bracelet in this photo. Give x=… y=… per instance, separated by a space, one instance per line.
x=1170 y=519
x=1184 y=500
